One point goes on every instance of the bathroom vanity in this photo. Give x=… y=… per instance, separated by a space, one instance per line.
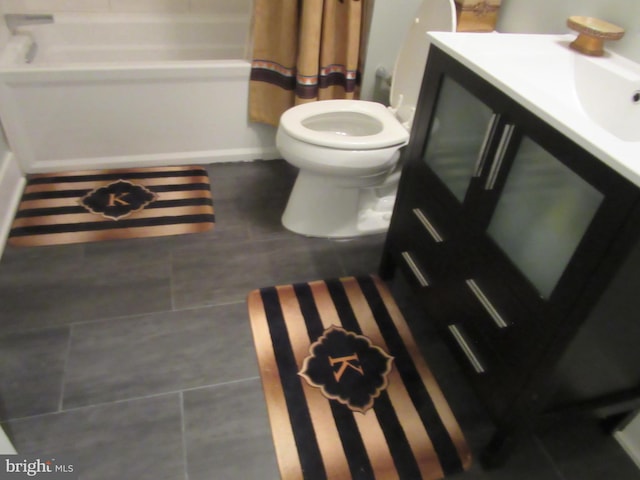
x=518 y=223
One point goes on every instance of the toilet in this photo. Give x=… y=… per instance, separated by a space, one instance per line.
x=347 y=151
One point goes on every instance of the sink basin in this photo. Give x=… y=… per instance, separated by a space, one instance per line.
x=609 y=91
x=594 y=101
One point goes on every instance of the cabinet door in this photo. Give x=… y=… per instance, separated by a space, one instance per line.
x=456 y=149
x=441 y=164
x=555 y=212
x=451 y=154
x=542 y=214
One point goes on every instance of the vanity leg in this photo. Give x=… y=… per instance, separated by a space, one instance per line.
x=387 y=267
x=497 y=451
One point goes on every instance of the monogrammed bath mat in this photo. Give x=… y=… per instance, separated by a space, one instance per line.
x=348 y=394
x=90 y=206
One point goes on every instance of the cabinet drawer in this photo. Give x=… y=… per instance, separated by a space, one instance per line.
x=425 y=229
x=425 y=218
x=501 y=326
x=493 y=312
x=490 y=376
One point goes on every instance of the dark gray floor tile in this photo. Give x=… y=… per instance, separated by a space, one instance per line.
x=131 y=342
x=264 y=217
x=226 y=271
x=17 y=259
x=360 y=256
x=257 y=179
x=38 y=290
x=138 y=439
x=138 y=356
x=584 y=451
x=31 y=370
x=528 y=462
x=231 y=223
x=254 y=196
x=227 y=433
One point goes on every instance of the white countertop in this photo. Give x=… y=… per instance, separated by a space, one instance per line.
x=538 y=72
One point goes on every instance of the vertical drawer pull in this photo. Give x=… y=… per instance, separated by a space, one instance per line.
x=499 y=157
x=411 y=263
x=433 y=232
x=466 y=349
x=482 y=155
x=486 y=303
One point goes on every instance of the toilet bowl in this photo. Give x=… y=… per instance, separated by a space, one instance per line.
x=347 y=151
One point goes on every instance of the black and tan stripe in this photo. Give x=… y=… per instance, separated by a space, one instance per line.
x=410 y=433
x=50 y=212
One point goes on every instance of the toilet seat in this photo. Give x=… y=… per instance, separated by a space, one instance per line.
x=353 y=125
x=348 y=151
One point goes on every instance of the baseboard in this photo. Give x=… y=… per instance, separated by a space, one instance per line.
x=629 y=439
x=153 y=160
x=6 y=447
x=12 y=183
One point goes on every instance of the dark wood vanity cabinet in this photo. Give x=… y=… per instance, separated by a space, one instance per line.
x=512 y=234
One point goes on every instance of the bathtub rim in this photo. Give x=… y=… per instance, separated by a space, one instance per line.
x=192 y=69
x=28 y=33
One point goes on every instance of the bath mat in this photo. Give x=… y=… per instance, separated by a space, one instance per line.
x=89 y=206
x=348 y=394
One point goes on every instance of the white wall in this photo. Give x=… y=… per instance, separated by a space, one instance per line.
x=391 y=19
x=549 y=16
x=388 y=27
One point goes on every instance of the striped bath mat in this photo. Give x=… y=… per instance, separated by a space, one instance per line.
x=90 y=206
x=348 y=394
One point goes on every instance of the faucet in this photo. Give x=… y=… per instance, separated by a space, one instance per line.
x=15 y=20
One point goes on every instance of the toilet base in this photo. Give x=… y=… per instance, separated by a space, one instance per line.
x=319 y=208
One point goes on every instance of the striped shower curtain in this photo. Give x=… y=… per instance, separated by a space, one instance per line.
x=303 y=50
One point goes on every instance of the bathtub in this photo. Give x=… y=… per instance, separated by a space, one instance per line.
x=118 y=90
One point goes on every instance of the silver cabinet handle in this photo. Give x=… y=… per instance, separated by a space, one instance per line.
x=431 y=230
x=486 y=303
x=415 y=269
x=499 y=157
x=466 y=349
x=488 y=135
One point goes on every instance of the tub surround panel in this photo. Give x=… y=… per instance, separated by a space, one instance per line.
x=144 y=102
x=54 y=6
x=132 y=122
x=11 y=184
x=220 y=6
x=148 y=6
x=84 y=38
x=128 y=6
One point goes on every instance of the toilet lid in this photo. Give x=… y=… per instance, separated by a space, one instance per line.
x=432 y=16
x=5 y=34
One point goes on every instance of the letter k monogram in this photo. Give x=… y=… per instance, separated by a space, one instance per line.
x=115 y=198
x=345 y=362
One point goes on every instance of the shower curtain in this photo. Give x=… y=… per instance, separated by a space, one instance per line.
x=303 y=50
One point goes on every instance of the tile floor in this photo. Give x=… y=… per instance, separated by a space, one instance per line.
x=136 y=358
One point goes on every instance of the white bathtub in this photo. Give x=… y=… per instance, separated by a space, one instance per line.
x=118 y=90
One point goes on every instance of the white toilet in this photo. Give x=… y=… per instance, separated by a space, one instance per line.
x=348 y=150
